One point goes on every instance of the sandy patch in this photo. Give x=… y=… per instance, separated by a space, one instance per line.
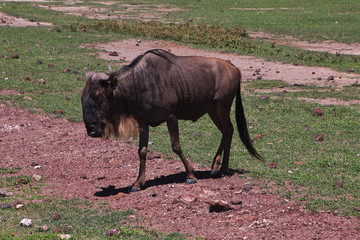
x=331 y=101
x=128 y=11
x=289 y=73
x=327 y=46
x=6 y=20
x=266 y=9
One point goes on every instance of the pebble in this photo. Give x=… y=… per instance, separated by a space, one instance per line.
x=2 y=219
x=55 y=216
x=318 y=112
x=2 y=193
x=64 y=236
x=44 y=228
x=37 y=177
x=26 y=222
x=247 y=188
x=272 y=165
x=331 y=77
x=318 y=138
x=5 y=205
x=219 y=206
x=112 y=232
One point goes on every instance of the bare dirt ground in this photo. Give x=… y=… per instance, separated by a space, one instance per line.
x=75 y=165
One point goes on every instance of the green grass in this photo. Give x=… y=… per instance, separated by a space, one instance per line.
x=310 y=20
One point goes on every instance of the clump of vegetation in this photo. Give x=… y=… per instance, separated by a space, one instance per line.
x=233 y=39
x=215 y=36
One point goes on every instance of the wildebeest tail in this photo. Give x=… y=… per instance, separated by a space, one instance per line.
x=242 y=127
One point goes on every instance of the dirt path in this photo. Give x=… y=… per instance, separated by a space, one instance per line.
x=289 y=73
x=75 y=165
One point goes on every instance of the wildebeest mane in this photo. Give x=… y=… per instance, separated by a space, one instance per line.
x=138 y=59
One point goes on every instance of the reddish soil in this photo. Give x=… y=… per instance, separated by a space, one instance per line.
x=75 y=165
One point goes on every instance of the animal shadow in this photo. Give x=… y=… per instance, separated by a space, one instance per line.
x=163 y=180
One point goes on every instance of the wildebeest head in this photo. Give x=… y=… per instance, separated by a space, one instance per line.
x=102 y=118
x=95 y=103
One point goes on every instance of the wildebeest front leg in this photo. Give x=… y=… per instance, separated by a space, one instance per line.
x=173 y=127
x=143 y=143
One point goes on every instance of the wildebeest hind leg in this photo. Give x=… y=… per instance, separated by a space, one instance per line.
x=143 y=143
x=228 y=131
x=173 y=127
x=215 y=167
x=222 y=119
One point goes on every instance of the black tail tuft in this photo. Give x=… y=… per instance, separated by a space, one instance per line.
x=242 y=127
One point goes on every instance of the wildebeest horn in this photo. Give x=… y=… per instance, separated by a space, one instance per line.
x=110 y=69
x=88 y=74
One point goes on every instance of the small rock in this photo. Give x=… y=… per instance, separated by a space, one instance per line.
x=112 y=232
x=50 y=65
x=263 y=97
x=199 y=135
x=259 y=77
x=33 y=164
x=64 y=236
x=338 y=184
x=2 y=219
x=258 y=70
x=83 y=176
x=5 y=205
x=318 y=138
x=272 y=165
x=37 y=177
x=247 y=188
x=37 y=167
x=219 y=206
x=331 y=77
x=59 y=112
x=114 y=54
x=42 y=81
x=66 y=70
x=318 y=112
x=44 y=228
x=319 y=78
x=67 y=230
x=55 y=216
x=277 y=71
x=236 y=201
x=2 y=193
x=307 y=128
x=19 y=205
x=188 y=199
x=313 y=73
x=14 y=55
x=351 y=69
x=26 y=222
x=27 y=78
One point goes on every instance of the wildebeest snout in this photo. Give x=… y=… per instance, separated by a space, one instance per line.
x=94 y=131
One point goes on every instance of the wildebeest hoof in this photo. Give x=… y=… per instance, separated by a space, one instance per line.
x=215 y=172
x=132 y=189
x=190 y=181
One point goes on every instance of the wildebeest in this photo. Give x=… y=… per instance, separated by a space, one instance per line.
x=159 y=87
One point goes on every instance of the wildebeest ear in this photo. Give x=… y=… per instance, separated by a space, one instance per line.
x=112 y=81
